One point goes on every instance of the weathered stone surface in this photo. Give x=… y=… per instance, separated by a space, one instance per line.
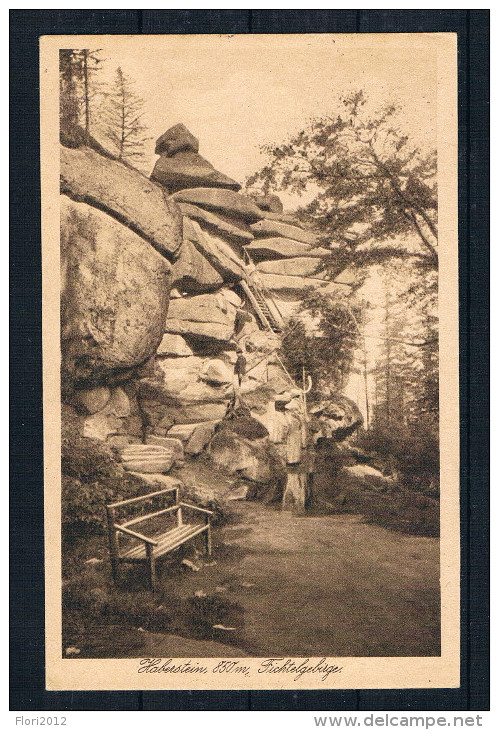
x=283 y=217
x=269 y=203
x=205 y=331
x=192 y=273
x=183 y=431
x=232 y=297
x=189 y=170
x=123 y=193
x=217 y=371
x=203 y=308
x=120 y=442
x=200 y=438
x=176 y=139
x=226 y=202
x=187 y=414
x=173 y=346
x=187 y=367
x=158 y=418
x=299 y=266
x=147 y=459
x=101 y=425
x=178 y=393
x=182 y=390
x=174 y=445
x=208 y=317
x=92 y=400
x=255 y=459
x=220 y=225
x=238 y=493
x=347 y=276
x=278 y=248
x=112 y=419
x=335 y=417
x=216 y=251
x=114 y=295
x=268 y=228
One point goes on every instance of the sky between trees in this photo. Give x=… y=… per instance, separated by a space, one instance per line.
x=237 y=93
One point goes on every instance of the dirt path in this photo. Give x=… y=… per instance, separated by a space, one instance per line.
x=323 y=585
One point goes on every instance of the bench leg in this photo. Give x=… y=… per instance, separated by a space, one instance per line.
x=114 y=570
x=207 y=541
x=152 y=568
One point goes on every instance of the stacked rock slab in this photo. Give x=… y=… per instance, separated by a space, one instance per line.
x=181 y=166
x=225 y=234
x=192 y=381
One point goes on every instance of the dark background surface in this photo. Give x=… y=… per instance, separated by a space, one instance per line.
x=26 y=527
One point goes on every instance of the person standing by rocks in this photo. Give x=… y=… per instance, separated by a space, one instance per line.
x=240 y=366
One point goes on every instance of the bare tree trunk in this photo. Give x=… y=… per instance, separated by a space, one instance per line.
x=86 y=93
x=388 y=355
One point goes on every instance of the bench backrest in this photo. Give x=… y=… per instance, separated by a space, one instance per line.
x=113 y=521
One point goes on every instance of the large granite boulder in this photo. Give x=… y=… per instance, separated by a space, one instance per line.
x=278 y=248
x=189 y=170
x=227 y=202
x=268 y=228
x=208 y=317
x=114 y=298
x=220 y=225
x=192 y=273
x=125 y=194
x=176 y=139
x=255 y=459
x=336 y=417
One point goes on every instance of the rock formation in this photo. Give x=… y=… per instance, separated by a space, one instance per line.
x=162 y=282
x=180 y=166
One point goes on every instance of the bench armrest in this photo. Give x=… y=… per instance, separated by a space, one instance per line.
x=143 y=497
x=198 y=509
x=135 y=534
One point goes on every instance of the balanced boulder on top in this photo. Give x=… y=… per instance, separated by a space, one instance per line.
x=180 y=166
x=176 y=139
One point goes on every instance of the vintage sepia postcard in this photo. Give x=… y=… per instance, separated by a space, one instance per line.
x=250 y=333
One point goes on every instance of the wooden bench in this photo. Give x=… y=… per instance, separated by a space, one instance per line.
x=149 y=548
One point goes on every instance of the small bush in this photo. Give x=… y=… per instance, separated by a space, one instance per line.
x=413 y=455
x=91 y=477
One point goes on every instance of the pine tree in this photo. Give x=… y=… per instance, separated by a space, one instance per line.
x=78 y=88
x=376 y=191
x=123 y=118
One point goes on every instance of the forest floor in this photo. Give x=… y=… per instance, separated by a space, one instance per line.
x=281 y=584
